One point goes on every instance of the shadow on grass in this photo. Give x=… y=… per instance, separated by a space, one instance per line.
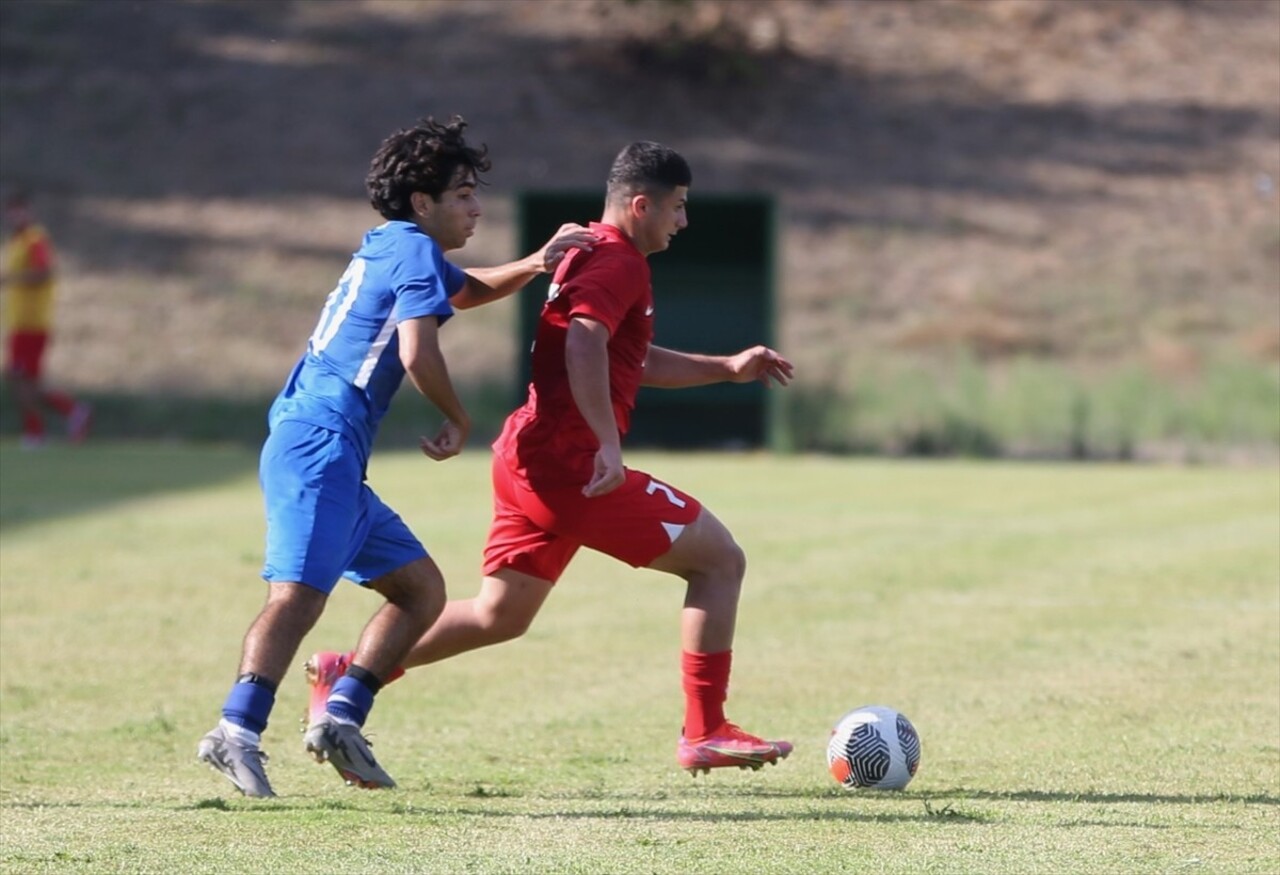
x=142 y=416
x=149 y=444
x=839 y=806
x=1106 y=798
x=62 y=481
x=681 y=814
x=670 y=812
x=933 y=796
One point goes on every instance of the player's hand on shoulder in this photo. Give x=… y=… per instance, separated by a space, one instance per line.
x=570 y=236
x=763 y=364
x=448 y=442
x=608 y=474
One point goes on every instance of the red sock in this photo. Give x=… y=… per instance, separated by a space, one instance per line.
x=60 y=401
x=706 y=686
x=396 y=673
x=32 y=425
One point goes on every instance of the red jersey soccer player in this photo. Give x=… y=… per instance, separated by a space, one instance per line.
x=558 y=477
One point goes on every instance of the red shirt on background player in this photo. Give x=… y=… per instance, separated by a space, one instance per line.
x=559 y=481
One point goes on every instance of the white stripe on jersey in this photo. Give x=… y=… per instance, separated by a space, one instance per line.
x=338 y=305
x=375 y=352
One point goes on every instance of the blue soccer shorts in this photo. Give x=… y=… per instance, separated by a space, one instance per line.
x=323 y=521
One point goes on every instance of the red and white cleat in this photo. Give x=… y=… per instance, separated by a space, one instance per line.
x=726 y=746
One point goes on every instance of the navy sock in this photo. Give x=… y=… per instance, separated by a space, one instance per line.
x=350 y=699
x=250 y=702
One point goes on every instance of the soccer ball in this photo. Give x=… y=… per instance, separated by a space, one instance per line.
x=874 y=747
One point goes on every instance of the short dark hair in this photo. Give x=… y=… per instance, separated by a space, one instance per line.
x=647 y=168
x=425 y=158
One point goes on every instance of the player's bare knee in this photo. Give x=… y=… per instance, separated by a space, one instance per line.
x=417 y=589
x=705 y=551
x=502 y=621
x=426 y=605
x=290 y=612
x=733 y=561
x=426 y=602
x=297 y=600
x=723 y=560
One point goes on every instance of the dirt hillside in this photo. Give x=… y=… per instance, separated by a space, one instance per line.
x=1092 y=182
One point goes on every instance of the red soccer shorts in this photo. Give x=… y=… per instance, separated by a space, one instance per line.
x=26 y=352
x=537 y=533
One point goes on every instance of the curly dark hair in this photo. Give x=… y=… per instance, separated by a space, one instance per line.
x=422 y=158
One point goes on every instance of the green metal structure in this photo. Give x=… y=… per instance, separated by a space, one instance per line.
x=713 y=293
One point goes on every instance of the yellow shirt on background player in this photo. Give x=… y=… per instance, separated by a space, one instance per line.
x=28 y=306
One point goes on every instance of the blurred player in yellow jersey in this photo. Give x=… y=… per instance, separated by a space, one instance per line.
x=28 y=289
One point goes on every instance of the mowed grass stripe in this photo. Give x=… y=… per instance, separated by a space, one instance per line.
x=1091 y=655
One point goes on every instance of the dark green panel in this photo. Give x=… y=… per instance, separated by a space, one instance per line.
x=713 y=293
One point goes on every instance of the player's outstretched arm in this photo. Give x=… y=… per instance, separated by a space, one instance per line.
x=424 y=363
x=671 y=369
x=760 y=363
x=485 y=285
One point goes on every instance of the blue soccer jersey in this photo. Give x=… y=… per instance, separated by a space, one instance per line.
x=351 y=369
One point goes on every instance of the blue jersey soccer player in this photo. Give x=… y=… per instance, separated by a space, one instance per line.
x=323 y=521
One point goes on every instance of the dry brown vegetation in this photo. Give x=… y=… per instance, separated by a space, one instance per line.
x=1089 y=182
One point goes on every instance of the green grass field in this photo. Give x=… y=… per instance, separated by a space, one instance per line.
x=1091 y=655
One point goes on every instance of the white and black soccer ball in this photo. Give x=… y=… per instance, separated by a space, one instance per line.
x=873 y=747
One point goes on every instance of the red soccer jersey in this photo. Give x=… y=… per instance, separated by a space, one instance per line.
x=547 y=443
